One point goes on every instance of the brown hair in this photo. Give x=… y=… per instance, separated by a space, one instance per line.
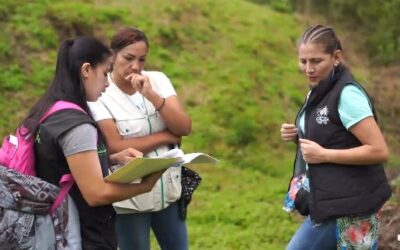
x=126 y=36
x=323 y=35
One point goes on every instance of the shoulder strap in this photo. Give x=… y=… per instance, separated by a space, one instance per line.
x=66 y=183
x=60 y=105
x=67 y=180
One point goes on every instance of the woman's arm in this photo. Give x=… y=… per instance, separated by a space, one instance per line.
x=116 y=143
x=86 y=170
x=373 y=149
x=172 y=112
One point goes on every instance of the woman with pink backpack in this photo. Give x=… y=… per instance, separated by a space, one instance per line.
x=68 y=141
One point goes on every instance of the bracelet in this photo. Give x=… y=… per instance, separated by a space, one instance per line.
x=161 y=106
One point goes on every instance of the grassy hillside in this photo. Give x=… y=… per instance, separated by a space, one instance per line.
x=234 y=66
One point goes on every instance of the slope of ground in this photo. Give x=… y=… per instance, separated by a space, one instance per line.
x=234 y=66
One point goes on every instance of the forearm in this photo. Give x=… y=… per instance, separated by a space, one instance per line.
x=113 y=192
x=177 y=122
x=365 y=154
x=372 y=151
x=86 y=170
x=175 y=118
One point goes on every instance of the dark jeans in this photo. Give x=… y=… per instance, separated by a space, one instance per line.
x=133 y=230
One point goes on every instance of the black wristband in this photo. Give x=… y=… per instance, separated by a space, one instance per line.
x=161 y=106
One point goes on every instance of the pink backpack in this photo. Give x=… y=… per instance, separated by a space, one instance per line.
x=17 y=152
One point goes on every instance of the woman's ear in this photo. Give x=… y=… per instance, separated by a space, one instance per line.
x=338 y=56
x=85 y=70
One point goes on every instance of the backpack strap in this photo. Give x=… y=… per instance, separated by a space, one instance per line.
x=66 y=180
x=66 y=183
x=60 y=105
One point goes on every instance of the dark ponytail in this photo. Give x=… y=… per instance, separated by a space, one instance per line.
x=67 y=83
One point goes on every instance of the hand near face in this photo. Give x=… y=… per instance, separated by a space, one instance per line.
x=140 y=83
x=288 y=132
x=312 y=152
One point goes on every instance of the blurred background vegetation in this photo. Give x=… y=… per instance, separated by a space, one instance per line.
x=234 y=65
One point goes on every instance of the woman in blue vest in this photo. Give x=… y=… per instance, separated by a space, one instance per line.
x=68 y=141
x=338 y=182
x=141 y=109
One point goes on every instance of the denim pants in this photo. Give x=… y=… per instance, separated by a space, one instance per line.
x=133 y=230
x=310 y=237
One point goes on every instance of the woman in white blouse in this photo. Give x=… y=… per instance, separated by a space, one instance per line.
x=140 y=109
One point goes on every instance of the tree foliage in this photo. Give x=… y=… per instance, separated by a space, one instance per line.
x=376 y=20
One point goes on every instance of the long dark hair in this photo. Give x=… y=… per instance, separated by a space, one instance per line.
x=67 y=83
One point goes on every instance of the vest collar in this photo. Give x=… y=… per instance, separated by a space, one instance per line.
x=338 y=74
x=121 y=100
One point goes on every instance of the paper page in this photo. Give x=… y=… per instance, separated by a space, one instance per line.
x=139 y=167
x=13 y=140
x=198 y=158
x=176 y=152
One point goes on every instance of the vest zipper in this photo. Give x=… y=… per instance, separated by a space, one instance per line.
x=156 y=152
x=296 y=123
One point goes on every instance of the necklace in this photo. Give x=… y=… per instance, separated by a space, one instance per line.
x=138 y=101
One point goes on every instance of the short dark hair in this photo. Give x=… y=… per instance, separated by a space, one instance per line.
x=126 y=36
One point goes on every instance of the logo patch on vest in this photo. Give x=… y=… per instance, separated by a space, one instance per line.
x=322 y=115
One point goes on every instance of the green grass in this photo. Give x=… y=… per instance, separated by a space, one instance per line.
x=243 y=211
x=234 y=66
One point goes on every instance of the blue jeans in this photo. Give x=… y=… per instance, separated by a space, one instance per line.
x=310 y=237
x=133 y=230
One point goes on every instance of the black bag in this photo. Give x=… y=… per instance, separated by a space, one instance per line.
x=302 y=202
x=190 y=180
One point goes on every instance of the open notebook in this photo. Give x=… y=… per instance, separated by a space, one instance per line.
x=139 y=167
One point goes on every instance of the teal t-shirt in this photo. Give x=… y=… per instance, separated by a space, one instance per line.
x=354 y=106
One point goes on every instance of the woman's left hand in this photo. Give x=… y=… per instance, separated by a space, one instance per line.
x=125 y=155
x=141 y=83
x=312 y=152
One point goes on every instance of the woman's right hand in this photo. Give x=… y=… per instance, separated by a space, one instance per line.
x=150 y=180
x=289 y=132
x=141 y=83
x=124 y=156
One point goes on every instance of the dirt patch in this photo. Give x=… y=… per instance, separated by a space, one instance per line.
x=390 y=228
